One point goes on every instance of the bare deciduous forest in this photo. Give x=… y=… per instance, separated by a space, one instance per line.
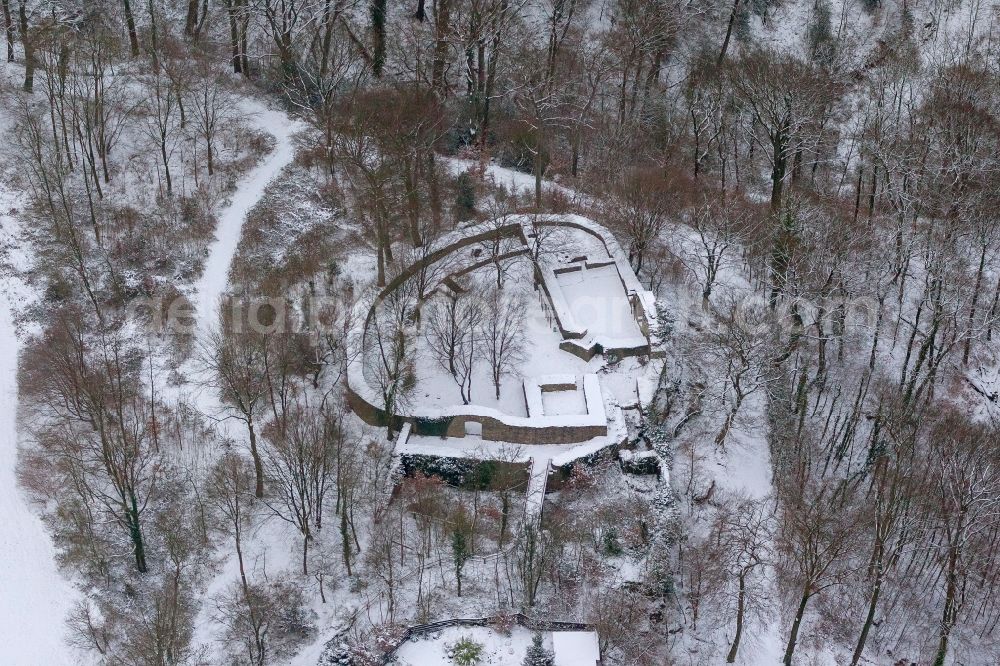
x=329 y=320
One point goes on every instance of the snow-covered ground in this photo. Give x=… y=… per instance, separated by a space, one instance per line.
x=515 y=182
x=598 y=302
x=34 y=597
x=436 y=387
x=498 y=650
x=559 y=403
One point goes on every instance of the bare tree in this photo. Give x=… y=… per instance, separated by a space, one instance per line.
x=299 y=461
x=385 y=349
x=448 y=324
x=502 y=334
x=640 y=203
x=965 y=498
x=212 y=106
x=719 y=227
x=460 y=530
x=497 y=246
x=814 y=541
x=235 y=361
x=230 y=489
x=160 y=107
x=745 y=529
x=264 y=623
x=101 y=438
x=452 y=332
x=740 y=345
x=8 y=23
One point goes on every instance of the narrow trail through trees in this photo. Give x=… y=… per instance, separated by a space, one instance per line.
x=215 y=278
x=213 y=285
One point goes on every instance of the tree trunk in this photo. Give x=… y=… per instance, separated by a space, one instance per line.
x=870 y=617
x=729 y=33
x=950 y=612
x=133 y=39
x=972 y=308
x=234 y=38
x=244 y=51
x=488 y=86
x=29 y=49
x=328 y=20
x=201 y=20
x=442 y=18
x=305 y=554
x=8 y=23
x=135 y=533
x=434 y=192
x=727 y=425
x=779 y=145
x=380 y=260
x=378 y=15
x=239 y=558
x=740 y=609
x=504 y=516
x=412 y=202
x=344 y=541
x=166 y=167
x=538 y=169
x=993 y=312
x=258 y=465
x=191 y=20
x=794 y=635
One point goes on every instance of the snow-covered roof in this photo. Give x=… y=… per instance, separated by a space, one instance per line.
x=576 y=648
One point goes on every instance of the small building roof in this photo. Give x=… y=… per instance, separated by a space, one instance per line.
x=576 y=648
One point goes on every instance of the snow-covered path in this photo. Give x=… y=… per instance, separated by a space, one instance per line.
x=215 y=277
x=214 y=282
x=34 y=597
x=535 y=495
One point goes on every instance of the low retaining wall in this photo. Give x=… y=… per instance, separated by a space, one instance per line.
x=561 y=431
x=495 y=430
x=597 y=347
x=561 y=469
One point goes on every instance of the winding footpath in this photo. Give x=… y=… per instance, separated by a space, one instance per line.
x=208 y=291
x=215 y=278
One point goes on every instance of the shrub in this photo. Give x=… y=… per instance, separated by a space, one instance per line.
x=483 y=476
x=465 y=197
x=431 y=427
x=612 y=546
x=465 y=652
x=537 y=655
x=463 y=472
x=503 y=623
